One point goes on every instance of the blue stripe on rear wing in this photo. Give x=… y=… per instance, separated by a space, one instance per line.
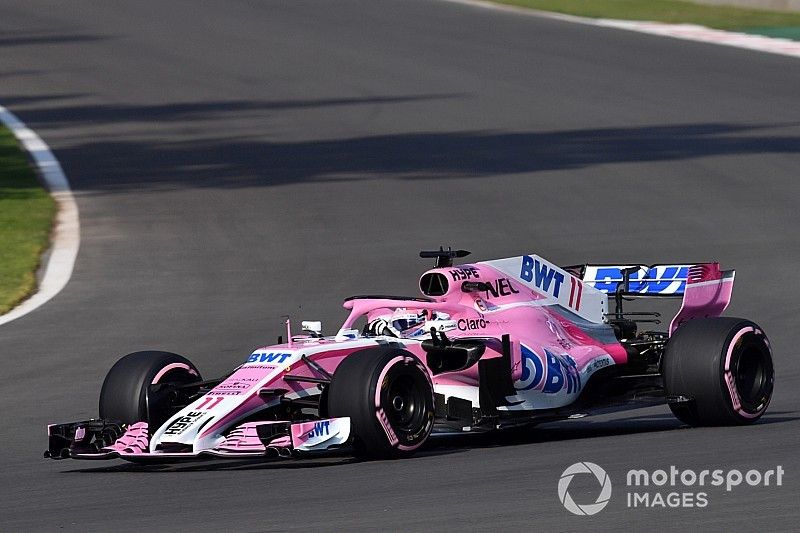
x=653 y=280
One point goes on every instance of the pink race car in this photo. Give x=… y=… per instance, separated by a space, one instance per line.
x=491 y=345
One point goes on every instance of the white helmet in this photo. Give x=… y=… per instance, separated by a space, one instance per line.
x=401 y=323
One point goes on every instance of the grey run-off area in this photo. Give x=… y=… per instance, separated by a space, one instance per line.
x=234 y=162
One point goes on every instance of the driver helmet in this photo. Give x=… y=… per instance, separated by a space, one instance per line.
x=408 y=322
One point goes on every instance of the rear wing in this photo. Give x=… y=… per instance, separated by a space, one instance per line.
x=642 y=280
x=705 y=288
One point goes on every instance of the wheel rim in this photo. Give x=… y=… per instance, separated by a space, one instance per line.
x=405 y=402
x=160 y=405
x=752 y=373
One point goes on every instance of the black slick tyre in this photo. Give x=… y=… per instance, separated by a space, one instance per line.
x=388 y=395
x=718 y=371
x=124 y=396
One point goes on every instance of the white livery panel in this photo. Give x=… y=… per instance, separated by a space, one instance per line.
x=555 y=284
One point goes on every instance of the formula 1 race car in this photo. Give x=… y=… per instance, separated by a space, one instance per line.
x=491 y=345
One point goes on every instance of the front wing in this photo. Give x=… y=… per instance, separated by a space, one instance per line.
x=105 y=439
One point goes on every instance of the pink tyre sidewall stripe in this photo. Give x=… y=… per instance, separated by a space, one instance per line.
x=169 y=368
x=379 y=410
x=730 y=380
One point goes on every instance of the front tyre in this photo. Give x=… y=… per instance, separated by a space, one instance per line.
x=388 y=395
x=718 y=371
x=124 y=396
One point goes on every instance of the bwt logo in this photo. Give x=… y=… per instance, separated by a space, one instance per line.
x=270 y=357
x=320 y=429
x=541 y=275
x=654 y=281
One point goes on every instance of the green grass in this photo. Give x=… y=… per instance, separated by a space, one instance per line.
x=672 y=11
x=26 y=216
x=790 y=32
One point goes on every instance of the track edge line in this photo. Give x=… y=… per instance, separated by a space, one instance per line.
x=65 y=236
x=685 y=32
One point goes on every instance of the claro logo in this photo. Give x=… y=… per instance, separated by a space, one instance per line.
x=468 y=324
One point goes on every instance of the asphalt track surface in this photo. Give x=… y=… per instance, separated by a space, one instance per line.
x=237 y=161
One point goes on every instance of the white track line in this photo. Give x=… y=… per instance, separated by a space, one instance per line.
x=687 y=32
x=66 y=235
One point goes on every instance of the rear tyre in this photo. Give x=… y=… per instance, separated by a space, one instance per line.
x=685 y=413
x=388 y=395
x=124 y=396
x=718 y=371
